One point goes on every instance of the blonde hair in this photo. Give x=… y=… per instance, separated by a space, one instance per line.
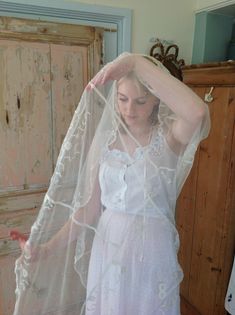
x=132 y=77
x=153 y=118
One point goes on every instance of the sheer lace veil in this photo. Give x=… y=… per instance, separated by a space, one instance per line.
x=54 y=281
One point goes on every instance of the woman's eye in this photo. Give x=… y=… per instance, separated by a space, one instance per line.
x=122 y=99
x=141 y=102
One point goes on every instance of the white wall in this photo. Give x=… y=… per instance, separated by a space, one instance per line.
x=165 y=19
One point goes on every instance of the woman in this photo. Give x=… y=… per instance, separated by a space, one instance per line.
x=111 y=201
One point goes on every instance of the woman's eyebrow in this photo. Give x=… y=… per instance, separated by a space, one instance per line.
x=140 y=97
x=122 y=94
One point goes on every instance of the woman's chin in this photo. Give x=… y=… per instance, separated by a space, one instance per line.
x=131 y=122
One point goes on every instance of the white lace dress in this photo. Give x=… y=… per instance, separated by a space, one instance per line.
x=133 y=267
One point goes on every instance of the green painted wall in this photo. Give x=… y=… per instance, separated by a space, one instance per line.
x=199 y=37
x=212 y=35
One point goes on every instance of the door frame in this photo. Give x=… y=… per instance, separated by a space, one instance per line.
x=75 y=13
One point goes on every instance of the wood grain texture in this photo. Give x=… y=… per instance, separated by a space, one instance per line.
x=228 y=240
x=207 y=231
x=208 y=225
x=42 y=31
x=25 y=100
x=186 y=308
x=7 y=283
x=70 y=76
x=202 y=76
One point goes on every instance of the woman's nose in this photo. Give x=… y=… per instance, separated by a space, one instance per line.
x=130 y=107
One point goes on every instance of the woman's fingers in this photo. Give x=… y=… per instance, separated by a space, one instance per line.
x=32 y=253
x=103 y=76
x=18 y=236
x=112 y=71
x=99 y=78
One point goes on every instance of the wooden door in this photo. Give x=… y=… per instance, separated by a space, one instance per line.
x=44 y=68
x=205 y=211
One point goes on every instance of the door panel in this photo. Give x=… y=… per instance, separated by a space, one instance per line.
x=202 y=211
x=25 y=129
x=69 y=77
x=44 y=68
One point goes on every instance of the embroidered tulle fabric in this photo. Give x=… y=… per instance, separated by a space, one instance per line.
x=107 y=220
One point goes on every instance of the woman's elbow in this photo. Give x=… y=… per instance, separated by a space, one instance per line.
x=200 y=112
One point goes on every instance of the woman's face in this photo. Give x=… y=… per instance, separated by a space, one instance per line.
x=135 y=104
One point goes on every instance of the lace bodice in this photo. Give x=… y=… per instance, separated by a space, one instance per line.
x=155 y=191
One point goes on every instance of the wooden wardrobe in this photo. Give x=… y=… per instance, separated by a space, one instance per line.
x=206 y=207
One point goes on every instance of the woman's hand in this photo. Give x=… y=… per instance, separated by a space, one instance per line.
x=32 y=254
x=20 y=237
x=114 y=70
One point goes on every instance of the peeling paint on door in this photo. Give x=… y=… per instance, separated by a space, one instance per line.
x=44 y=68
x=26 y=128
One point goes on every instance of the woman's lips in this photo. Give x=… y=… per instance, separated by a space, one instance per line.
x=130 y=117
